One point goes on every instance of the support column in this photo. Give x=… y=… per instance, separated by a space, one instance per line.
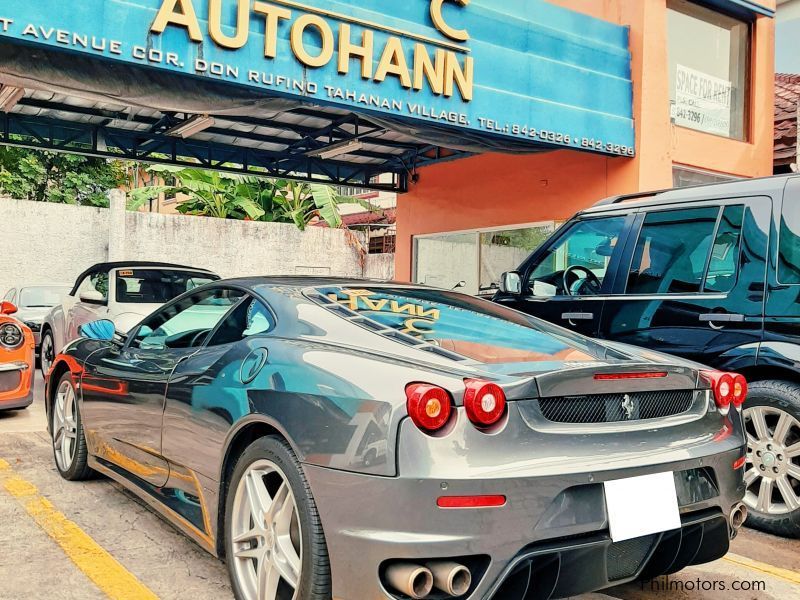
x=116 y=225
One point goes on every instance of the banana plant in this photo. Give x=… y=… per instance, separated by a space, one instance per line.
x=209 y=193
x=230 y=196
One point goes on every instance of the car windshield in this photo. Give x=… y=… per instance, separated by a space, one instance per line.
x=42 y=296
x=156 y=286
x=471 y=327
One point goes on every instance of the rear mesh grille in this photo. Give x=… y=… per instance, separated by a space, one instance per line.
x=613 y=408
x=9 y=380
x=625 y=558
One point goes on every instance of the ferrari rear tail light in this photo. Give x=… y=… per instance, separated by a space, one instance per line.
x=739 y=390
x=429 y=406
x=484 y=401
x=728 y=388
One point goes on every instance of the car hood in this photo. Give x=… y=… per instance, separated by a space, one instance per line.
x=32 y=314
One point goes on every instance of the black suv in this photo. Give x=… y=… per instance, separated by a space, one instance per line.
x=710 y=273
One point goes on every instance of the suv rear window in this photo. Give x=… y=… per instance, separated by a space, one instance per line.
x=467 y=326
x=154 y=286
x=688 y=251
x=789 y=252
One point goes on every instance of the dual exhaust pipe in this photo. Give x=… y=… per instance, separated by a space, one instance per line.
x=417 y=581
x=737 y=518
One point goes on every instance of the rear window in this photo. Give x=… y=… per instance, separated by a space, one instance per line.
x=154 y=286
x=467 y=326
x=789 y=251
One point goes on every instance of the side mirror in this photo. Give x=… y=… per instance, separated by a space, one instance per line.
x=511 y=283
x=459 y=285
x=102 y=330
x=8 y=308
x=92 y=297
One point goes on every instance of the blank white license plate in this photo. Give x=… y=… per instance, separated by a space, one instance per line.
x=640 y=506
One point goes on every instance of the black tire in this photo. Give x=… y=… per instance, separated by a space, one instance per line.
x=78 y=469
x=315 y=576
x=785 y=396
x=42 y=346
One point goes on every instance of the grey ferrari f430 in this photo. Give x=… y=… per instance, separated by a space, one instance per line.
x=365 y=441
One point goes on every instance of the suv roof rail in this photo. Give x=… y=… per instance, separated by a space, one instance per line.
x=626 y=197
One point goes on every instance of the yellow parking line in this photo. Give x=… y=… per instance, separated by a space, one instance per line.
x=97 y=564
x=755 y=565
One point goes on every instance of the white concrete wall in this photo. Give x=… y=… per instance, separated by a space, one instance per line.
x=53 y=243
x=380 y=266
x=49 y=243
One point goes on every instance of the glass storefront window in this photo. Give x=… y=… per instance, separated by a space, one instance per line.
x=503 y=251
x=477 y=258
x=708 y=70
x=686 y=176
x=445 y=260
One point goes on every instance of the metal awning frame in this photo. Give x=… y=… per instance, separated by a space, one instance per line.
x=150 y=144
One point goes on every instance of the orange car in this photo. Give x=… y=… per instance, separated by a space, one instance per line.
x=16 y=360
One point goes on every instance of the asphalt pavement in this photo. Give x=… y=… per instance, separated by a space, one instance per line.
x=92 y=540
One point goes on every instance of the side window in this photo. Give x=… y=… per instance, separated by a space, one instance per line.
x=726 y=252
x=789 y=251
x=672 y=251
x=578 y=262
x=186 y=324
x=95 y=281
x=251 y=318
x=10 y=295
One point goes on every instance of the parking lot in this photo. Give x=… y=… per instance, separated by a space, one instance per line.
x=93 y=540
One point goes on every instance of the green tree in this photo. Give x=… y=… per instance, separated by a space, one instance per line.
x=46 y=176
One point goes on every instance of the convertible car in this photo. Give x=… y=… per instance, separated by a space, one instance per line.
x=16 y=360
x=357 y=440
x=122 y=292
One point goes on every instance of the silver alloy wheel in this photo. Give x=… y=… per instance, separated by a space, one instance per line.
x=772 y=471
x=46 y=354
x=65 y=426
x=265 y=532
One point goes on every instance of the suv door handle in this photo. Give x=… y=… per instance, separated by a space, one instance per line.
x=722 y=318
x=577 y=316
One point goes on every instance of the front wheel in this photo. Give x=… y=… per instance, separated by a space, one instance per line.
x=274 y=542
x=47 y=352
x=772 y=472
x=69 y=443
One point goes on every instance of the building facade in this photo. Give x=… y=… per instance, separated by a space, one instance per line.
x=703 y=95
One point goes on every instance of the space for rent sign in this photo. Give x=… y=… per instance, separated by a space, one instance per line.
x=702 y=102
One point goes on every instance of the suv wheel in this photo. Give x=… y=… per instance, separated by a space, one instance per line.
x=772 y=472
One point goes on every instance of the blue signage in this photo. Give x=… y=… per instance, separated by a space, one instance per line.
x=516 y=71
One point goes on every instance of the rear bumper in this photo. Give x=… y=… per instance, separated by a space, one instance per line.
x=555 y=511
x=565 y=568
x=370 y=520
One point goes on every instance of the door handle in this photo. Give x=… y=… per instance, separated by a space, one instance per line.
x=722 y=318
x=577 y=316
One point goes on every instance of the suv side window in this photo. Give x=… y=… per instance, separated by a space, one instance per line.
x=789 y=250
x=672 y=251
x=723 y=267
x=587 y=246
